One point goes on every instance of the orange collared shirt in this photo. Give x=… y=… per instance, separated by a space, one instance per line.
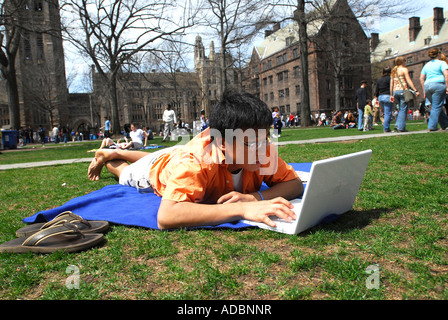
x=197 y=172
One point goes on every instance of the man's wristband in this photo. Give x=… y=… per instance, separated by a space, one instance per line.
x=261 y=195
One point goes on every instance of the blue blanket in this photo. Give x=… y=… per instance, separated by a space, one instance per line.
x=124 y=205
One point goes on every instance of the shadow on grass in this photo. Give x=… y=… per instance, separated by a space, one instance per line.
x=350 y=221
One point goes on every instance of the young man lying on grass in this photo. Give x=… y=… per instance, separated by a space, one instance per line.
x=216 y=177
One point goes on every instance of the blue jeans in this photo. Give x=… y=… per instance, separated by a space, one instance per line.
x=360 y=118
x=387 y=106
x=436 y=93
x=402 y=111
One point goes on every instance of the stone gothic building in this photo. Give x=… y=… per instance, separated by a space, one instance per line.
x=40 y=69
x=272 y=74
x=143 y=97
x=413 y=42
x=338 y=53
x=208 y=70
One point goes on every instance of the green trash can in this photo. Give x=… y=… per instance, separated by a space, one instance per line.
x=10 y=139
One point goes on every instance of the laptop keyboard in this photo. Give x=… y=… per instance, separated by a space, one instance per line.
x=281 y=220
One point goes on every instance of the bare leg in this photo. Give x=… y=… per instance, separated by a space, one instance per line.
x=102 y=156
x=106 y=142
x=127 y=145
x=116 y=167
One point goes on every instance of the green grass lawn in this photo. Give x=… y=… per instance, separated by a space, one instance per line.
x=398 y=225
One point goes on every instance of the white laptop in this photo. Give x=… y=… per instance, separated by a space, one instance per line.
x=331 y=189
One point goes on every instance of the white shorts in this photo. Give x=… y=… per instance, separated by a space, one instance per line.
x=136 y=175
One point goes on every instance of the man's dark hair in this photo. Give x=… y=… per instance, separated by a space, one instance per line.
x=239 y=110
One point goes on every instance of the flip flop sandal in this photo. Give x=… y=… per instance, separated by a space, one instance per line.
x=84 y=226
x=66 y=237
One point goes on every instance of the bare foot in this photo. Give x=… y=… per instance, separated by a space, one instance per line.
x=97 y=164
x=94 y=170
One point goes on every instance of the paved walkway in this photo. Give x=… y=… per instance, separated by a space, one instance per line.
x=349 y=138
x=42 y=163
x=322 y=140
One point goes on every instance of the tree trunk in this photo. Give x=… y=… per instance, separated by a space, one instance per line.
x=13 y=95
x=337 y=93
x=305 y=111
x=223 y=72
x=114 y=117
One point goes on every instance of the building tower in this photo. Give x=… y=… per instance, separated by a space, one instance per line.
x=41 y=68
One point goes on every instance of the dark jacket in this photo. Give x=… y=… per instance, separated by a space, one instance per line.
x=383 y=86
x=361 y=97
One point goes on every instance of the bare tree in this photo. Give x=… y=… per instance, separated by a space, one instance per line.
x=112 y=32
x=340 y=40
x=169 y=62
x=10 y=36
x=307 y=12
x=302 y=22
x=16 y=26
x=41 y=90
x=343 y=44
x=235 y=22
x=370 y=12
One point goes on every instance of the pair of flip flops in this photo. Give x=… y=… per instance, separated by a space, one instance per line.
x=67 y=231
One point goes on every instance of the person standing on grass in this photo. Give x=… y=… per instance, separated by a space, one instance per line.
x=106 y=127
x=216 y=177
x=361 y=98
x=368 y=116
x=383 y=95
x=56 y=134
x=169 y=118
x=276 y=118
x=41 y=133
x=434 y=80
x=400 y=81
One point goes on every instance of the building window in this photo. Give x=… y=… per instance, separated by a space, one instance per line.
x=279 y=59
x=27 y=46
x=265 y=81
x=38 y=5
x=272 y=96
x=280 y=76
x=281 y=93
x=296 y=72
x=349 y=83
x=271 y=79
x=282 y=109
x=410 y=60
x=297 y=90
x=295 y=53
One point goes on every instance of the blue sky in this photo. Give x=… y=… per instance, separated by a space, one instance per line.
x=427 y=11
x=78 y=66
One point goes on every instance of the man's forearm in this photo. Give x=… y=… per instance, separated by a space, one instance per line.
x=289 y=190
x=174 y=214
